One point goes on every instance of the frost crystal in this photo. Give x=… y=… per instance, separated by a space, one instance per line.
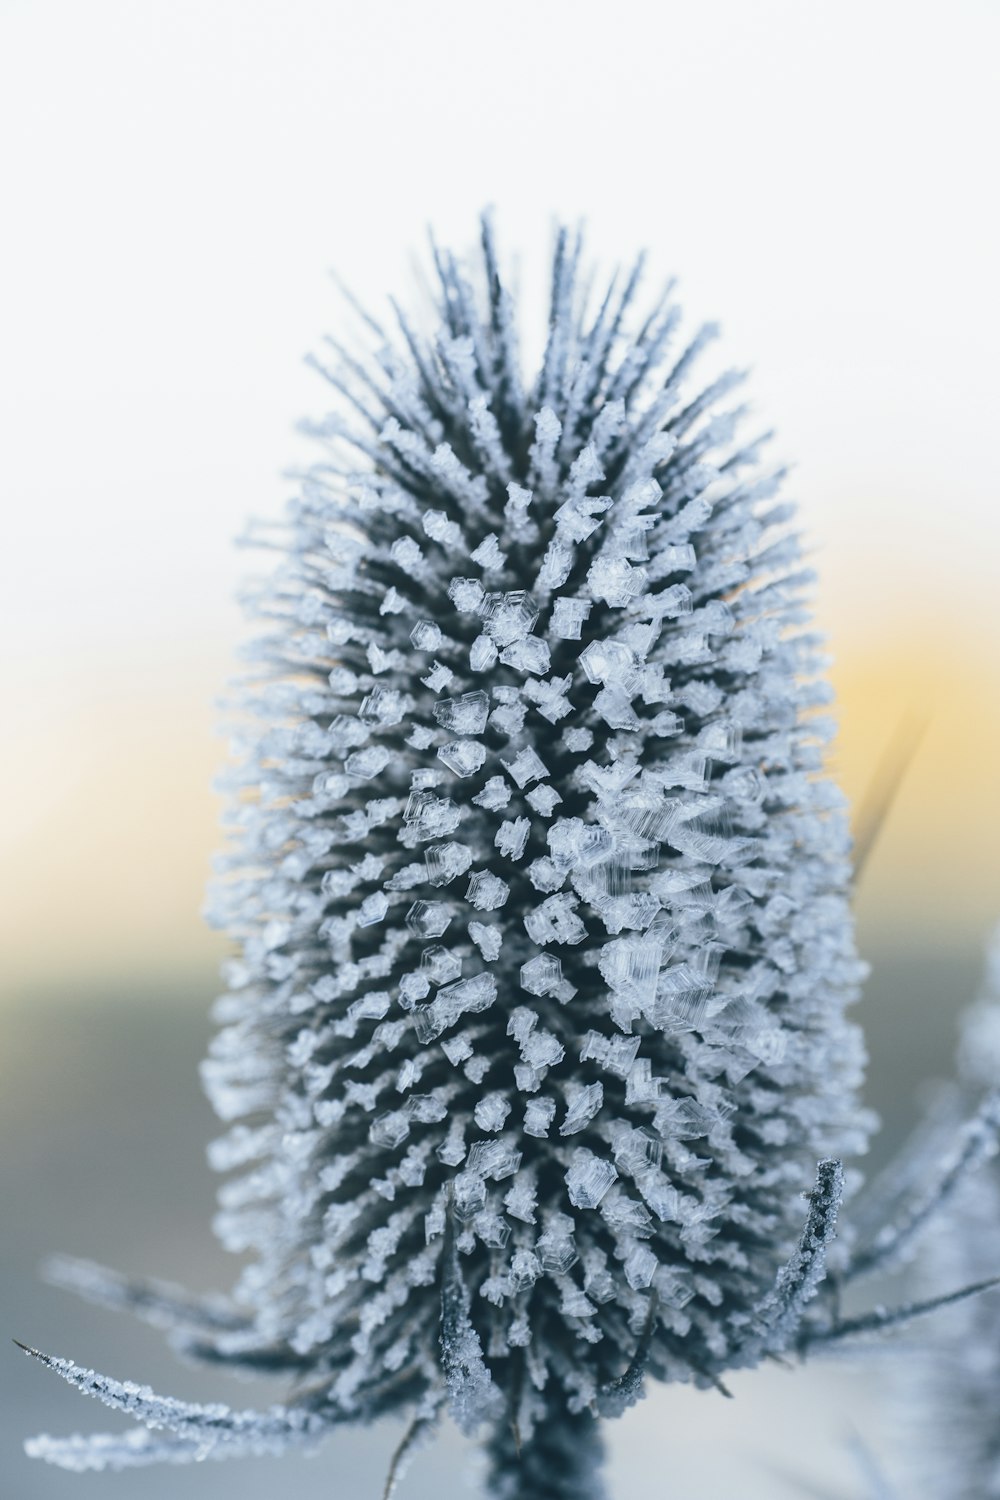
x=429 y=918
x=646 y=1039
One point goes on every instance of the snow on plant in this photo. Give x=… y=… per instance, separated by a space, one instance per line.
x=537 y=1037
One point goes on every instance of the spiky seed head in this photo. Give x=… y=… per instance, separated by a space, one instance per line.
x=538 y=1028
x=543 y=902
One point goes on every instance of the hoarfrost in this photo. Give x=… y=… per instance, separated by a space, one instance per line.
x=627 y=773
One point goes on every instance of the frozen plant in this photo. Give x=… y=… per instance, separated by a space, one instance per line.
x=944 y=1378
x=947 y=1385
x=537 y=1038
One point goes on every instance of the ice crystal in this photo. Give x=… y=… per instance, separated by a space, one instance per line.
x=644 y=1040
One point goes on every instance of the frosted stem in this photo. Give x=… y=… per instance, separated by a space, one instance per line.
x=562 y=1460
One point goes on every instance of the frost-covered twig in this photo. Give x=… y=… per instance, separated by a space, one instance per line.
x=157 y=1302
x=774 y=1322
x=197 y=1430
x=976 y=1142
x=882 y=1319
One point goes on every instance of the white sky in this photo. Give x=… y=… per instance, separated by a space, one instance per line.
x=178 y=176
x=177 y=179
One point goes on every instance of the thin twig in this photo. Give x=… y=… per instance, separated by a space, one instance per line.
x=403 y=1450
x=882 y=1318
x=885 y=785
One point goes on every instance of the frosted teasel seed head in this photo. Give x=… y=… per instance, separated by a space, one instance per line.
x=538 y=1029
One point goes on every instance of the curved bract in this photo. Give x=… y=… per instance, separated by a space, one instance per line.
x=538 y=1029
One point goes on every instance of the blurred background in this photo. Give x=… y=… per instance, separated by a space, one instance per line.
x=177 y=181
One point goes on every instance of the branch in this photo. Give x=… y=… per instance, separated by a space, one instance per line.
x=881 y=1319
x=977 y=1142
x=777 y=1315
x=156 y=1302
x=201 y=1431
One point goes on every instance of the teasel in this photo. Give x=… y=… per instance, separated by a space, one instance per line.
x=538 y=1034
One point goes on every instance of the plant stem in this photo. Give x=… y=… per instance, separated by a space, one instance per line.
x=562 y=1460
